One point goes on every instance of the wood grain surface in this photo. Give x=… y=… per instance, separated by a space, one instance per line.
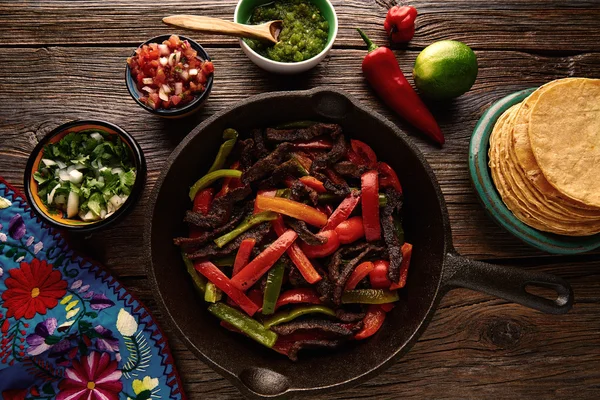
x=62 y=60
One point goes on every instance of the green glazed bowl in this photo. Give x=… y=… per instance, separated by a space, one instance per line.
x=242 y=14
x=491 y=200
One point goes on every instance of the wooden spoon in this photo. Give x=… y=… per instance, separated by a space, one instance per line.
x=268 y=31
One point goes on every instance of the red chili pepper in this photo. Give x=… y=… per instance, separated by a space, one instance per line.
x=388 y=177
x=216 y=276
x=313 y=183
x=372 y=322
x=370 y=205
x=266 y=193
x=322 y=250
x=350 y=230
x=203 y=200
x=343 y=211
x=406 y=256
x=264 y=261
x=400 y=23
x=381 y=69
x=359 y=274
x=243 y=255
x=319 y=144
x=293 y=209
x=364 y=152
x=298 y=296
x=379 y=275
x=297 y=256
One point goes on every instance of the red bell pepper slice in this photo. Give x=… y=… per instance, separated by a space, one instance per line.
x=243 y=255
x=370 y=205
x=313 y=183
x=297 y=256
x=293 y=209
x=350 y=230
x=203 y=201
x=252 y=272
x=387 y=307
x=298 y=296
x=322 y=250
x=359 y=274
x=388 y=177
x=406 y=256
x=379 y=275
x=284 y=343
x=372 y=322
x=218 y=278
x=343 y=211
x=318 y=144
x=230 y=183
x=254 y=294
x=266 y=193
x=365 y=153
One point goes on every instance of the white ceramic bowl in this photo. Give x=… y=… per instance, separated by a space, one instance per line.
x=293 y=67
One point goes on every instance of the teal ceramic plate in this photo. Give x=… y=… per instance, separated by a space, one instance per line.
x=484 y=186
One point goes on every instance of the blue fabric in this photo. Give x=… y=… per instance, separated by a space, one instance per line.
x=69 y=329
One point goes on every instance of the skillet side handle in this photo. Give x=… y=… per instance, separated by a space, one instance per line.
x=508 y=283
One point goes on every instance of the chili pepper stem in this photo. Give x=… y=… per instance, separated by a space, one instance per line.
x=370 y=45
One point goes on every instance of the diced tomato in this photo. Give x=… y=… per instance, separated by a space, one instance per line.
x=379 y=275
x=388 y=177
x=322 y=250
x=365 y=153
x=208 y=67
x=350 y=230
x=175 y=100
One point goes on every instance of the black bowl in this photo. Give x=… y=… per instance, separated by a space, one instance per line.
x=72 y=225
x=435 y=267
x=178 y=112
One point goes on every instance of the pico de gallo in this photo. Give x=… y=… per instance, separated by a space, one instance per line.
x=169 y=74
x=295 y=237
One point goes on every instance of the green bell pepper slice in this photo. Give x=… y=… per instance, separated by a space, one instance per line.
x=273 y=288
x=250 y=222
x=230 y=136
x=210 y=178
x=369 y=296
x=198 y=280
x=244 y=323
x=212 y=294
x=287 y=316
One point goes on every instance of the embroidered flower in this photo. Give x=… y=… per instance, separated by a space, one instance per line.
x=14 y=394
x=16 y=227
x=144 y=389
x=94 y=377
x=4 y=203
x=1 y=271
x=106 y=341
x=29 y=241
x=3 y=237
x=126 y=324
x=32 y=288
x=42 y=339
x=100 y=302
x=38 y=247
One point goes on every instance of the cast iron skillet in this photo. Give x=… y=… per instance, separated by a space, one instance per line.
x=435 y=267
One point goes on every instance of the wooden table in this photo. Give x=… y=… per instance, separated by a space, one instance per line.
x=63 y=60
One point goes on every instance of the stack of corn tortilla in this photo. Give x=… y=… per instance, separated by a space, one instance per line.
x=544 y=157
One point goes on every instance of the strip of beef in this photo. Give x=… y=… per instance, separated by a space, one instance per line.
x=259 y=143
x=394 y=246
x=220 y=210
x=322 y=325
x=347 y=316
x=265 y=166
x=312 y=344
x=295 y=276
x=238 y=214
x=288 y=168
x=211 y=250
x=347 y=168
x=339 y=189
x=325 y=290
x=290 y=135
x=338 y=151
x=247 y=154
x=336 y=260
x=301 y=191
x=304 y=233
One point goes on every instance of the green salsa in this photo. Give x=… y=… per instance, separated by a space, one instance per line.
x=304 y=34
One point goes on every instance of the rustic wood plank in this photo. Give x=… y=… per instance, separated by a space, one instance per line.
x=75 y=88
x=533 y=25
x=475 y=347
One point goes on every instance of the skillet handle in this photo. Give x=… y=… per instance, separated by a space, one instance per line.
x=507 y=283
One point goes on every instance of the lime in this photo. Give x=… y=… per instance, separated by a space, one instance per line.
x=445 y=70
